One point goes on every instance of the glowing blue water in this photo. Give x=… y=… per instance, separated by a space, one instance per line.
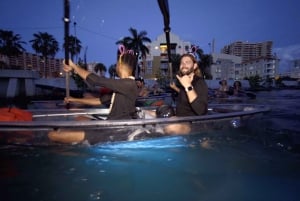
x=259 y=162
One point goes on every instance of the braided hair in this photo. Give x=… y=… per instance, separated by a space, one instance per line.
x=127 y=57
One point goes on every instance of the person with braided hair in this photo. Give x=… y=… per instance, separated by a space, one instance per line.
x=122 y=100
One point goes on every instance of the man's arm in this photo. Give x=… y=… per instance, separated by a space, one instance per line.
x=199 y=104
x=77 y=69
x=86 y=101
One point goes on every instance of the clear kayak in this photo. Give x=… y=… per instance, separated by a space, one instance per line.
x=60 y=126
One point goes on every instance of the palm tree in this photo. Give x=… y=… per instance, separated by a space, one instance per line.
x=254 y=82
x=136 y=43
x=46 y=45
x=101 y=68
x=74 y=46
x=204 y=61
x=10 y=43
x=205 y=64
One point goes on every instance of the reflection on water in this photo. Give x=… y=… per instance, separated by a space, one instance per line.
x=259 y=162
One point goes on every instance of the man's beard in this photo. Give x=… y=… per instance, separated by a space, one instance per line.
x=186 y=72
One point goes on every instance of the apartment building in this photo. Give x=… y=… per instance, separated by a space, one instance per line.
x=294 y=70
x=236 y=60
x=256 y=58
x=249 y=51
x=156 y=62
x=27 y=61
x=226 y=67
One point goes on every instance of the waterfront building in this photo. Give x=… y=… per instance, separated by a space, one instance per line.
x=49 y=68
x=257 y=58
x=295 y=70
x=249 y=51
x=265 y=67
x=156 y=62
x=226 y=67
x=235 y=61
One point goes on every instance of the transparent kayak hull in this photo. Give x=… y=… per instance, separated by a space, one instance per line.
x=60 y=121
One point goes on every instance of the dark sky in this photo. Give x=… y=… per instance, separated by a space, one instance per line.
x=100 y=23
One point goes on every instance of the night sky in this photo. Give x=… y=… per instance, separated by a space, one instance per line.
x=99 y=23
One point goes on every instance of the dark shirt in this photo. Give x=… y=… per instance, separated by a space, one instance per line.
x=199 y=105
x=125 y=95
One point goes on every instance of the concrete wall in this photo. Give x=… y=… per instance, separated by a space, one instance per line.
x=17 y=82
x=56 y=83
x=26 y=83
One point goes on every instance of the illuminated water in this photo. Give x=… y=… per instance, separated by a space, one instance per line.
x=259 y=162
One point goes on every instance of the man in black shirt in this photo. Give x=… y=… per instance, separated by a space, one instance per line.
x=124 y=95
x=122 y=103
x=193 y=91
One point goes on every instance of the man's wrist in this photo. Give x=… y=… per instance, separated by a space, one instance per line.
x=75 y=69
x=189 y=88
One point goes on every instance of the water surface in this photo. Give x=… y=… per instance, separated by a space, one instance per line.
x=257 y=162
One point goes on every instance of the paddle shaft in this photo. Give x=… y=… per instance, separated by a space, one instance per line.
x=66 y=38
x=69 y=114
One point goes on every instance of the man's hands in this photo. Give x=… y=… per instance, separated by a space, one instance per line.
x=70 y=67
x=186 y=80
x=69 y=100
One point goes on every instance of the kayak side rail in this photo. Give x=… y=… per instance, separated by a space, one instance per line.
x=97 y=124
x=98 y=112
x=218 y=108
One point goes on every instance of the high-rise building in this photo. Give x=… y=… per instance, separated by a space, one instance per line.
x=257 y=58
x=51 y=67
x=249 y=51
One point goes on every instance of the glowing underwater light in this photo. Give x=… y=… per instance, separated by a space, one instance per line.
x=161 y=143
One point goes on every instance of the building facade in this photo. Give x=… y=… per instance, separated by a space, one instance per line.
x=249 y=51
x=295 y=72
x=51 y=67
x=156 y=63
x=256 y=58
x=226 y=67
x=265 y=67
x=236 y=61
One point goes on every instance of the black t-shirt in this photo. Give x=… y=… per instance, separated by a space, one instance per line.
x=125 y=95
x=199 y=105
